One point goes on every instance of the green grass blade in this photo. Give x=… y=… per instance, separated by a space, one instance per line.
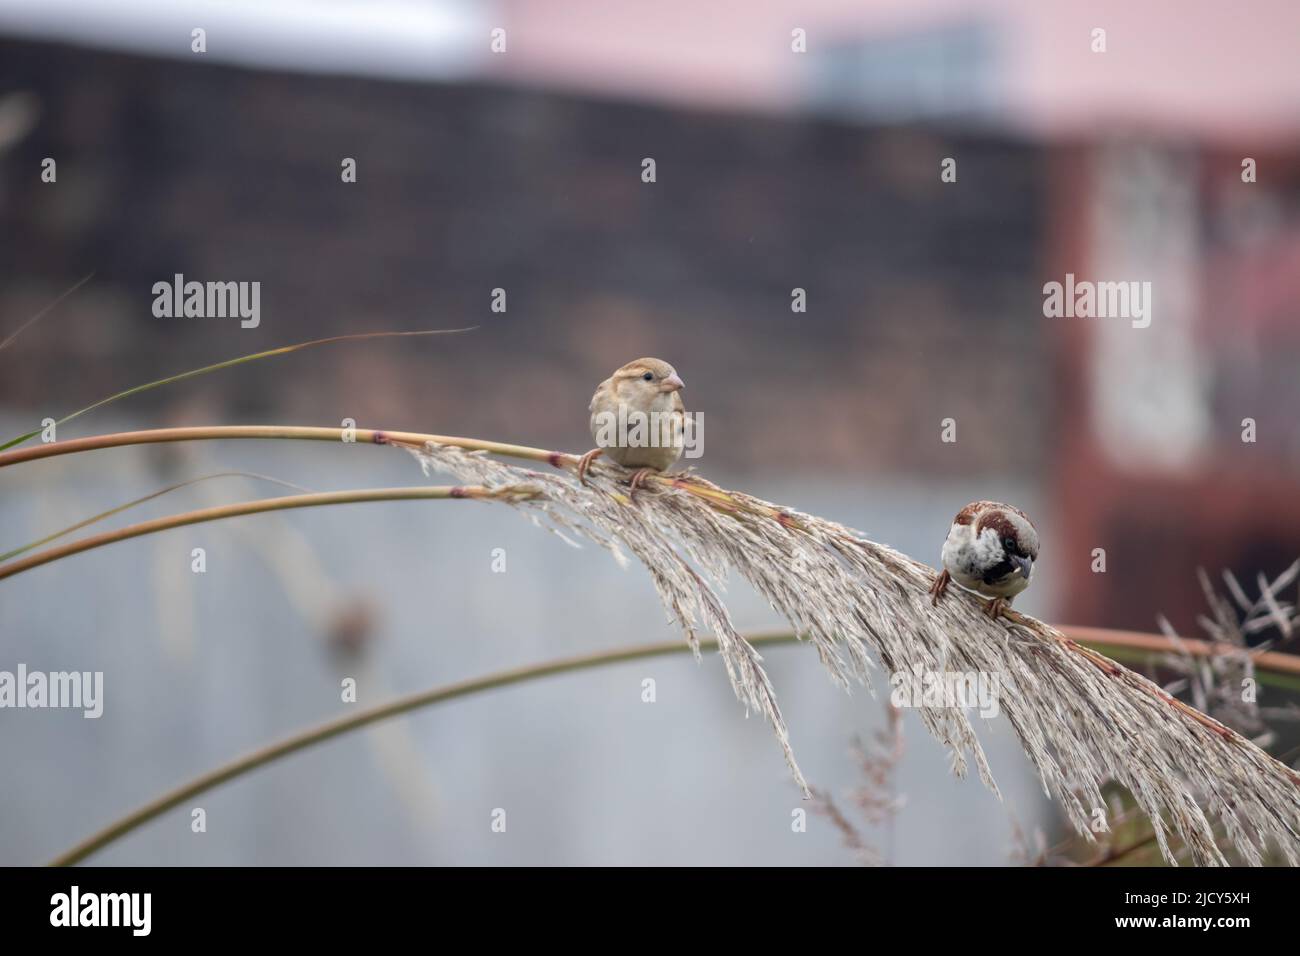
x=230 y=363
x=139 y=501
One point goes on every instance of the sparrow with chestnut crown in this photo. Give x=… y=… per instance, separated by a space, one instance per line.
x=990 y=549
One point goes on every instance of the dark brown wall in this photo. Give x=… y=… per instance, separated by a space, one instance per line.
x=924 y=298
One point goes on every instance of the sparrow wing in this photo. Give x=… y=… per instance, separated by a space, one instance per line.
x=597 y=399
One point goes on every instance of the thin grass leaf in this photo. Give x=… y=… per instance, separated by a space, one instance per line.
x=230 y=363
x=43 y=313
x=139 y=501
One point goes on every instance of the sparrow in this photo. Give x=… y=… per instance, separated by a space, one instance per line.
x=637 y=419
x=990 y=549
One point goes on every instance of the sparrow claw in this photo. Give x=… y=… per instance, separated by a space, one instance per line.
x=585 y=462
x=939 y=586
x=638 y=478
x=997 y=607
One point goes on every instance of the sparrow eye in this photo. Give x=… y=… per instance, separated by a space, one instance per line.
x=648 y=376
x=1008 y=544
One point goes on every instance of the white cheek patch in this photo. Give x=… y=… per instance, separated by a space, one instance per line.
x=988 y=549
x=961 y=555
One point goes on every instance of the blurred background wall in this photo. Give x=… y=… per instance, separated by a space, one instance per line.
x=522 y=170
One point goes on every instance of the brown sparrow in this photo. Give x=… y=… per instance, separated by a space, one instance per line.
x=990 y=549
x=637 y=419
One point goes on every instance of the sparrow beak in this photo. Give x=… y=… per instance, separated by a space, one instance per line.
x=1024 y=564
x=672 y=383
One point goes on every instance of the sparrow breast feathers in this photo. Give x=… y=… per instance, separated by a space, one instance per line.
x=637 y=415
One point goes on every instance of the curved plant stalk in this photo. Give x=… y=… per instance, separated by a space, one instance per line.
x=362 y=436
x=261 y=506
x=228 y=363
x=714 y=496
x=355 y=721
x=142 y=500
x=403 y=705
x=1277 y=669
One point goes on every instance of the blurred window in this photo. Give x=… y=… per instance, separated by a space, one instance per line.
x=940 y=72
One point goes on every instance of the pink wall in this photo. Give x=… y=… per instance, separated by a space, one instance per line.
x=1209 y=67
